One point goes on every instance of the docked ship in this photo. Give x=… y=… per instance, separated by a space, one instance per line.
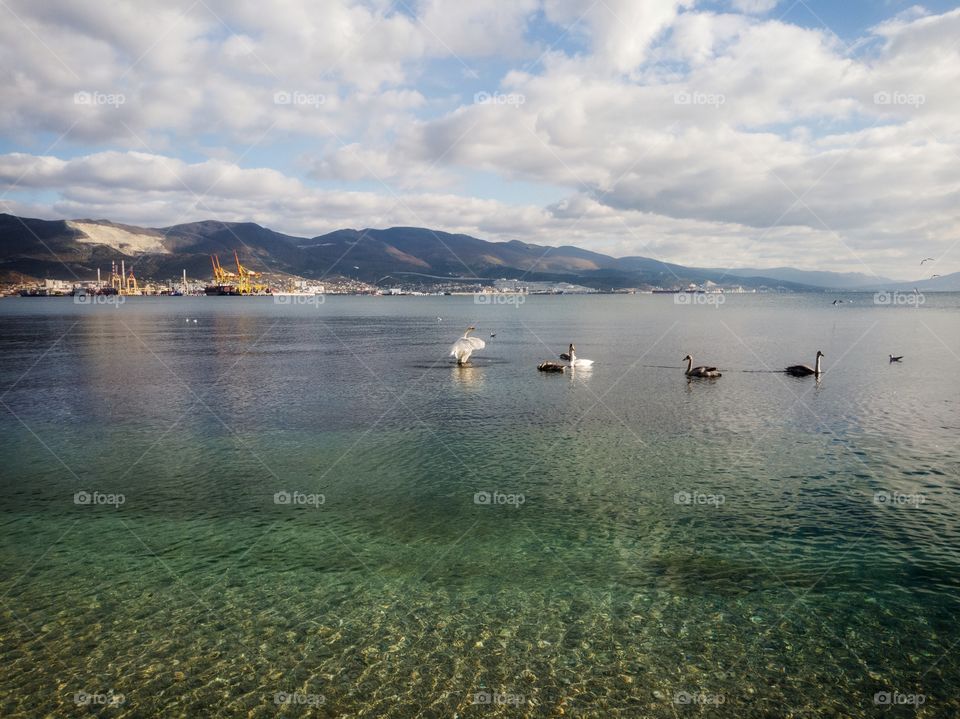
x=242 y=282
x=219 y=289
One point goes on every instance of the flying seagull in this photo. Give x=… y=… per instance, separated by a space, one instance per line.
x=928 y=259
x=896 y=359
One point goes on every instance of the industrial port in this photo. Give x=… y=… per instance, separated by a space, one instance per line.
x=122 y=281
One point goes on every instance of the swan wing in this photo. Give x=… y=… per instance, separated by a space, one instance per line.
x=466 y=345
x=564 y=356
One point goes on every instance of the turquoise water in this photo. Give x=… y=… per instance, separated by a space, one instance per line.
x=753 y=546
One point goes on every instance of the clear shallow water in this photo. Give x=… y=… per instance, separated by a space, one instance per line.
x=784 y=588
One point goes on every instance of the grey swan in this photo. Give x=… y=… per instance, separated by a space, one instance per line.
x=551 y=367
x=802 y=370
x=700 y=371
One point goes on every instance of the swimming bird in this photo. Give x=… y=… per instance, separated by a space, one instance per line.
x=464 y=347
x=933 y=276
x=493 y=334
x=571 y=356
x=551 y=367
x=928 y=259
x=700 y=371
x=896 y=359
x=802 y=370
x=838 y=302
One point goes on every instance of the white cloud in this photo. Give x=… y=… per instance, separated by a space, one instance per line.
x=620 y=31
x=696 y=136
x=754 y=6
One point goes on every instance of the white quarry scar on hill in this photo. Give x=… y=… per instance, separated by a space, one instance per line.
x=129 y=243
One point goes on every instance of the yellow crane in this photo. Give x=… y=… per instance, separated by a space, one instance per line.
x=130 y=286
x=249 y=282
x=123 y=282
x=220 y=275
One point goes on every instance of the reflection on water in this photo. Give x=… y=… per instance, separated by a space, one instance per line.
x=321 y=511
x=468 y=376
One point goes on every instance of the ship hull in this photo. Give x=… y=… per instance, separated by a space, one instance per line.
x=221 y=290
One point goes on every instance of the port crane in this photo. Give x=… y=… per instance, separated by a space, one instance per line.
x=249 y=280
x=122 y=282
x=242 y=282
x=220 y=275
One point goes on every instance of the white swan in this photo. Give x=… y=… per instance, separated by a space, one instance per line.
x=802 y=370
x=702 y=371
x=464 y=347
x=571 y=357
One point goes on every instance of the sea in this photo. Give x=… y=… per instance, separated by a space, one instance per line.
x=294 y=506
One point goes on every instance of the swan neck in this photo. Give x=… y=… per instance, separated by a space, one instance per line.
x=817 y=366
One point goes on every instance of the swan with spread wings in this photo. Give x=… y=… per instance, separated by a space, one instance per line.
x=465 y=346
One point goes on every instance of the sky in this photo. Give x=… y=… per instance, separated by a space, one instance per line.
x=727 y=133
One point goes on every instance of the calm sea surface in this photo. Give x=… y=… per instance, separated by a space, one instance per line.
x=286 y=509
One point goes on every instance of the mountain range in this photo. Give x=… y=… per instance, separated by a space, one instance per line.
x=68 y=249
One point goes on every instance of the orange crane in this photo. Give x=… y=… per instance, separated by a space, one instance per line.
x=249 y=280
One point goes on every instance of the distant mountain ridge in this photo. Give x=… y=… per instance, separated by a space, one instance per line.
x=65 y=248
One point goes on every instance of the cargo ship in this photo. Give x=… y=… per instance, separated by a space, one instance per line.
x=221 y=290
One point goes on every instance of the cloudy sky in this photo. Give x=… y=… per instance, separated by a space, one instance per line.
x=815 y=133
